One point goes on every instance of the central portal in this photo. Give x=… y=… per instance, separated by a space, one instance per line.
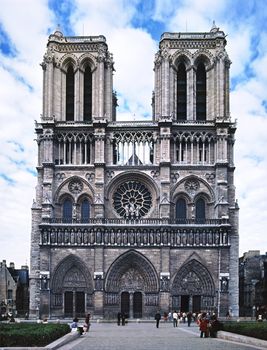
x=132 y=304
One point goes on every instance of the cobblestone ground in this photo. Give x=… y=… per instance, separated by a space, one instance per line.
x=145 y=336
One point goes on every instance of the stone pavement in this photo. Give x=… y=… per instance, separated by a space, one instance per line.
x=145 y=336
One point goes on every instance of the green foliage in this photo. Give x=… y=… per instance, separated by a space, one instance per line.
x=31 y=334
x=250 y=329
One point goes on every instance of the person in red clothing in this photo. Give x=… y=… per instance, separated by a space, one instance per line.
x=204 y=326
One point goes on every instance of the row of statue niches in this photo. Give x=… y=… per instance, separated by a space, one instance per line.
x=147 y=237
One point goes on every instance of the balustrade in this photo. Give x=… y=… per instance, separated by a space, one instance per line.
x=127 y=236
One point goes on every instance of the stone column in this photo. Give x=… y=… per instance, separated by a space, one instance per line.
x=108 y=88
x=35 y=262
x=165 y=84
x=98 y=279
x=50 y=84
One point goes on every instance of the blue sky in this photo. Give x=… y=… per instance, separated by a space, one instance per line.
x=132 y=29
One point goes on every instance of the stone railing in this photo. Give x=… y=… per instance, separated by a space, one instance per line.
x=134 y=236
x=141 y=221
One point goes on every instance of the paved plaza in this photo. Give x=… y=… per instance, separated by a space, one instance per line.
x=145 y=336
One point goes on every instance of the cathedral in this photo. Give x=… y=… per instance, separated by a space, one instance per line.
x=135 y=216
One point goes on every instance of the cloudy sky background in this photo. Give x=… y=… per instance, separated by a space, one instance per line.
x=132 y=29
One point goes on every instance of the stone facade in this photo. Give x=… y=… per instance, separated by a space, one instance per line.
x=137 y=215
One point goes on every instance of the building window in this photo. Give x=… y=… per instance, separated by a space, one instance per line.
x=181 y=92
x=200 y=211
x=87 y=94
x=67 y=210
x=10 y=294
x=70 y=94
x=85 y=210
x=201 y=92
x=181 y=211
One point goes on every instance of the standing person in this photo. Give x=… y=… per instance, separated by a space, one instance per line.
x=165 y=316
x=119 y=318
x=189 y=318
x=214 y=326
x=87 y=322
x=175 y=318
x=123 y=317
x=157 y=318
x=203 y=325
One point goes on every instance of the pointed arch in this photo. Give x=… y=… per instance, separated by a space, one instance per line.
x=70 y=93
x=181 y=92
x=85 y=210
x=193 y=278
x=181 y=210
x=71 y=273
x=201 y=92
x=67 y=209
x=200 y=210
x=87 y=94
x=132 y=262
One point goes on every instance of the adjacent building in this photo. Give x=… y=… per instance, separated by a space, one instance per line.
x=135 y=216
x=14 y=290
x=253 y=284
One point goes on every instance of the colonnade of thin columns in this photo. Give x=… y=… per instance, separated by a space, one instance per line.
x=194 y=151
x=71 y=151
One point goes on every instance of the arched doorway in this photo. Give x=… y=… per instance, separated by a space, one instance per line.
x=193 y=288
x=71 y=288
x=133 y=278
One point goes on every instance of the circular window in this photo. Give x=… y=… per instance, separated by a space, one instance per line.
x=132 y=200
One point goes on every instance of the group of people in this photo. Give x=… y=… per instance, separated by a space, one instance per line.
x=81 y=328
x=208 y=325
x=121 y=316
x=177 y=317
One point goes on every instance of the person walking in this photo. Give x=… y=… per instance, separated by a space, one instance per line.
x=203 y=326
x=189 y=318
x=123 y=318
x=175 y=318
x=87 y=322
x=157 y=318
x=119 y=318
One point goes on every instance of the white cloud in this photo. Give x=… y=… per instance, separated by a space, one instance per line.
x=27 y=24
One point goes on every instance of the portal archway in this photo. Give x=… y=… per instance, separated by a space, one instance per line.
x=71 y=287
x=133 y=282
x=193 y=288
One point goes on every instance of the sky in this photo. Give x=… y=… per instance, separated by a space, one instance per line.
x=132 y=29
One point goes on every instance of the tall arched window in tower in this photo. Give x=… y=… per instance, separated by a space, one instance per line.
x=70 y=94
x=85 y=211
x=181 y=92
x=200 y=211
x=67 y=210
x=181 y=210
x=201 y=92
x=87 y=94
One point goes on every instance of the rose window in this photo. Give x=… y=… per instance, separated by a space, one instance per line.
x=132 y=200
x=75 y=186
